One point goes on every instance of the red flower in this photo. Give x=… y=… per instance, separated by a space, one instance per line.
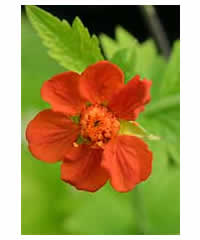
x=100 y=97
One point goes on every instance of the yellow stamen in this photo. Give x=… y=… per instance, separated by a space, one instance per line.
x=75 y=144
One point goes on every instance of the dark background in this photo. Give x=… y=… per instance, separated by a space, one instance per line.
x=103 y=19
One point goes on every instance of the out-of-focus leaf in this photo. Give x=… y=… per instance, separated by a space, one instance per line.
x=128 y=65
x=123 y=40
x=165 y=105
x=125 y=51
x=171 y=77
x=109 y=45
x=72 y=46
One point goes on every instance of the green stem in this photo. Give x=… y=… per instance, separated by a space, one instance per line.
x=140 y=213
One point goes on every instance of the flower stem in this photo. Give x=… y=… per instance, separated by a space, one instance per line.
x=140 y=213
x=156 y=28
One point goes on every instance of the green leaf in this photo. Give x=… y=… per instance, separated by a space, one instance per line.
x=109 y=45
x=128 y=64
x=131 y=56
x=135 y=59
x=165 y=103
x=171 y=77
x=147 y=55
x=123 y=40
x=72 y=46
x=134 y=129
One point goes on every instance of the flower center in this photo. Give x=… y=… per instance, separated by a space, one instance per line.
x=98 y=125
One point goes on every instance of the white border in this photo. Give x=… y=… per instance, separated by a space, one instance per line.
x=10 y=119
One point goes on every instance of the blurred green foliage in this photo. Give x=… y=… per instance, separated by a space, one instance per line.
x=51 y=207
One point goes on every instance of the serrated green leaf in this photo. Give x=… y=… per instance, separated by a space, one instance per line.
x=123 y=40
x=128 y=65
x=131 y=56
x=135 y=59
x=171 y=76
x=71 y=46
x=155 y=75
x=134 y=129
x=109 y=45
x=147 y=53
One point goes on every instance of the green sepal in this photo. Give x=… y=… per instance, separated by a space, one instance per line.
x=75 y=119
x=134 y=129
x=82 y=140
x=88 y=104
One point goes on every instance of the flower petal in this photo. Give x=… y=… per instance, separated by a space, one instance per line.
x=50 y=135
x=129 y=101
x=99 y=81
x=128 y=161
x=62 y=92
x=82 y=168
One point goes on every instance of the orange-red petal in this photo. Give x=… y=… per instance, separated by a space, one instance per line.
x=129 y=101
x=99 y=81
x=82 y=169
x=62 y=92
x=50 y=135
x=128 y=161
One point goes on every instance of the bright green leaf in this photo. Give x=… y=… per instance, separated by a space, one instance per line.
x=72 y=46
x=130 y=55
x=109 y=45
x=164 y=109
x=135 y=59
x=123 y=40
x=171 y=77
x=126 y=59
x=147 y=53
